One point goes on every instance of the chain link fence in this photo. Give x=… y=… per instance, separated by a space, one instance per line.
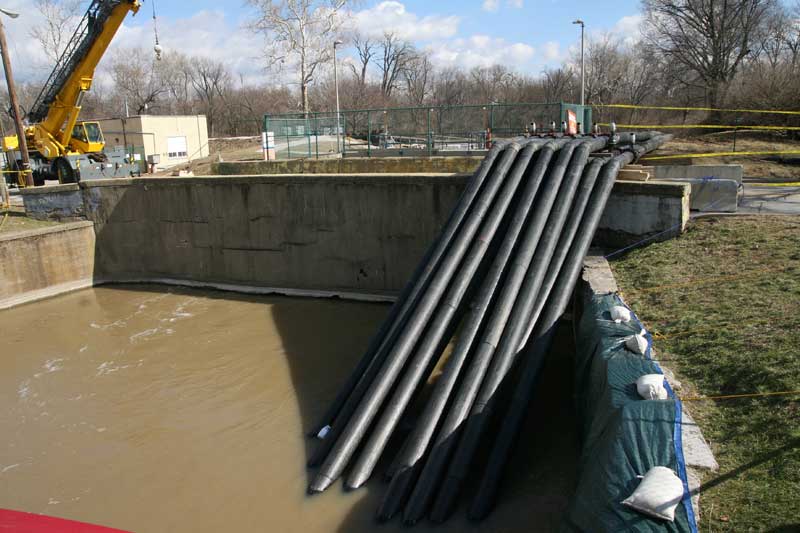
x=437 y=130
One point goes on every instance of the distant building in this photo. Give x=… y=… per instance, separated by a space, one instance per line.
x=163 y=140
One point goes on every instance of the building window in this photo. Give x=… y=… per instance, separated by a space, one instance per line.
x=176 y=147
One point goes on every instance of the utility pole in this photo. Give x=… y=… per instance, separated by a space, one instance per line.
x=12 y=95
x=336 y=83
x=583 y=78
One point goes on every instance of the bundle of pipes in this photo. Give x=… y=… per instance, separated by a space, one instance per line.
x=501 y=273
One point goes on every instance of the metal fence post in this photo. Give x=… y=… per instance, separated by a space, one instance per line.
x=288 y=141
x=344 y=136
x=369 y=134
x=316 y=133
x=430 y=139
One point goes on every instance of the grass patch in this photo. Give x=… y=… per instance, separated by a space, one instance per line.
x=725 y=296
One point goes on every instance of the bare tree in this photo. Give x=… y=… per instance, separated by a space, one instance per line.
x=709 y=38
x=557 y=83
x=60 y=17
x=365 y=48
x=419 y=77
x=210 y=80
x=396 y=55
x=137 y=78
x=299 y=32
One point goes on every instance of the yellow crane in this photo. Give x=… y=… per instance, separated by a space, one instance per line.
x=61 y=147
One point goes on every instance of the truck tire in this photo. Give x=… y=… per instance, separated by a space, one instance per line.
x=63 y=170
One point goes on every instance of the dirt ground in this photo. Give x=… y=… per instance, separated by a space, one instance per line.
x=769 y=168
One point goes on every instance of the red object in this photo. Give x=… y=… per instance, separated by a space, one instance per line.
x=19 y=522
x=572 y=122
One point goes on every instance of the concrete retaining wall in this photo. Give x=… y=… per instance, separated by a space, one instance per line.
x=639 y=210
x=54 y=202
x=354 y=165
x=708 y=172
x=39 y=263
x=346 y=234
x=359 y=233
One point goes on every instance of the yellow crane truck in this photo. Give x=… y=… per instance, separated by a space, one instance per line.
x=61 y=147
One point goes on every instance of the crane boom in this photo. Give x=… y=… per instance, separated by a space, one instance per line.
x=58 y=143
x=58 y=105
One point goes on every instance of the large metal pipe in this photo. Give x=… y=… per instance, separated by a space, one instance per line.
x=448 y=434
x=570 y=229
x=425 y=350
x=415 y=286
x=486 y=174
x=357 y=425
x=506 y=353
x=417 y=443
x=546 y=328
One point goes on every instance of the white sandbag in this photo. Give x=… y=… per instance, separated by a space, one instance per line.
x=651 y=387
x=620 y=313
x=658 y=494
x=637 y=343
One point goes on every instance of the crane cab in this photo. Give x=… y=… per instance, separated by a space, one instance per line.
x=87 y=138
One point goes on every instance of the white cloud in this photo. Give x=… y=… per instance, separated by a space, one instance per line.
x=494 y=5
x=551 y=51
x=205 y=33
x=481 y=51
x=392 y=16
x=629 y=28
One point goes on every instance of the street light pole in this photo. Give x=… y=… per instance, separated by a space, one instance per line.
x=12 y=96
x=336 y=83
x=583 y=78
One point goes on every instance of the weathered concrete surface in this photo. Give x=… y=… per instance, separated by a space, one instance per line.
x=713 y=195
x=355 y=165
x=54 y=202
x=683 y=172
x=358 y=233
x=40 y=263
x=304 y=233
x=637 y=210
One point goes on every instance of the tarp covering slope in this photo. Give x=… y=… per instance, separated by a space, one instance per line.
x=622 y=435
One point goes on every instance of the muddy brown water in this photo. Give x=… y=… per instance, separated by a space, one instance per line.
x=156 y=409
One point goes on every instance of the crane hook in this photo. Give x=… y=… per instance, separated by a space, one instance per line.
x=157 y=48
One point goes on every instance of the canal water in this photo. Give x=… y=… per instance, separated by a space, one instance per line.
x=155 y=409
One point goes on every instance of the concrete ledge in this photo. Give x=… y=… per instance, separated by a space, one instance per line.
x=54 y=202
x=351 y=165
x=22 y=235
x=643 y=211
x=682 y=172
x=41 y=263
x=44 y=293
x=47 y=189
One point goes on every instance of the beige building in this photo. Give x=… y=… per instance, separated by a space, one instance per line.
x=163 y=140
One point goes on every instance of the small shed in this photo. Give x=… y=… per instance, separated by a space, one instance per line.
x=164 y=140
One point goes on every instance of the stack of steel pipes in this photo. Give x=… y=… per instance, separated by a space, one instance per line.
x=500 y=274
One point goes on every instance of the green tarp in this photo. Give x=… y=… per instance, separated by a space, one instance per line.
x=622 y=435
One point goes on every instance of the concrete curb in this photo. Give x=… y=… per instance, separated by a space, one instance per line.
x=599 y=279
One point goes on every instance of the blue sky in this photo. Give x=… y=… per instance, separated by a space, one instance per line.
x=527 y=35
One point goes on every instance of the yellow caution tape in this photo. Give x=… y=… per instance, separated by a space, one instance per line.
x=776 y=184
x=739 y=127
x=719 y=154
x=723 y=110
